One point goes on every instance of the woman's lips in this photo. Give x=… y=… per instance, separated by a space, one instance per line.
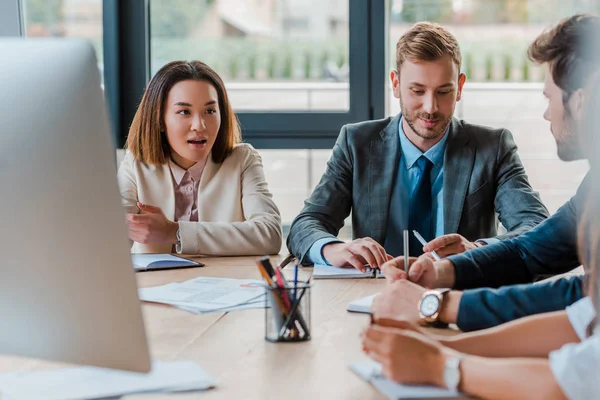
x=197 y=143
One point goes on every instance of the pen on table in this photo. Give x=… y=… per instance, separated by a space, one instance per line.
x=406 y=255
x=422 y=240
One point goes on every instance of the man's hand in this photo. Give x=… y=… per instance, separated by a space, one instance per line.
x=394 y=269
x=356 y=254
x=397 y=305
x=398 y=301
x=450 y=244
x=153 y=227
x=423 y=271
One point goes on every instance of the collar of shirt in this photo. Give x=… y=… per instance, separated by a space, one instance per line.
x=195 y=171
x=411 y=153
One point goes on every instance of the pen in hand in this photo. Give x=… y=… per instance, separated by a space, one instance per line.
x=406 y=248
x=424 y=243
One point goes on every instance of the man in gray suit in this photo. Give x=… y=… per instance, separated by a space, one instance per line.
x=421 y=170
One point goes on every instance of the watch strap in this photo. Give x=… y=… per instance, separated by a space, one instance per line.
x=452 y=374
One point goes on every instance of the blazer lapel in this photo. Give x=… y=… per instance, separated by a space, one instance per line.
x=458 y=166
x=166 y=193
x=210 y=170
x=384 y=154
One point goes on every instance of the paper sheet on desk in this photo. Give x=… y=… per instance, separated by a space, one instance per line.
x=203 y=295
x=370 y=371
x=96 y=383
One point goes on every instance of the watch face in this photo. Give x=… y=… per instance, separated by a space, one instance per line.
x=430 y=305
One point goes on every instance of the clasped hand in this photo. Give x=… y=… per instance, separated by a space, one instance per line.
x=152 y=227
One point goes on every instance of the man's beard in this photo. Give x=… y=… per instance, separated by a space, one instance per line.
x=426 y=134
x=568 y=146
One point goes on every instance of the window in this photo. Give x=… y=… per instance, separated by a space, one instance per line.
x=273 y=55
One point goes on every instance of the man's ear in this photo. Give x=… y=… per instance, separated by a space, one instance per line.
x=462 y=78
x=395 y=78
x=576 y=104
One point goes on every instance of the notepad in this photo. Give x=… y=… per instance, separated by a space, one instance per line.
x=153 y=262
x=362 y=305
x=81 y=383
x=370 y=371
x=321 y=271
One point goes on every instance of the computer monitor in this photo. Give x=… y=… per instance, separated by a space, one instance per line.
x=67 y=286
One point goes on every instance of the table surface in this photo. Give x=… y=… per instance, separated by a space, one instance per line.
x=231 y=346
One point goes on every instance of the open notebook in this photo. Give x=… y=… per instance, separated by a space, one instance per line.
x=321 y=271
x=153 y=262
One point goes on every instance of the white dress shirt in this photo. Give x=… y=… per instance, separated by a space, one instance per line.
x=576 y=366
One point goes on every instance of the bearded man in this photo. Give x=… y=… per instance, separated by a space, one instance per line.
x=421 y=170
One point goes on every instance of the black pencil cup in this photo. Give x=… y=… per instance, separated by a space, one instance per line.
x=287 y=313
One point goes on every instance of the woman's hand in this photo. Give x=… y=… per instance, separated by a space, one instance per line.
x=152 y=227
x=406 y=356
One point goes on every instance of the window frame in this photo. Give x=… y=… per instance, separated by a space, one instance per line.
x=11 y=18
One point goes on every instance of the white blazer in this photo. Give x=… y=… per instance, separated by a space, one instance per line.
x=236 y=212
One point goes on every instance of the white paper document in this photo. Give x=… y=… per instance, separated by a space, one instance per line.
x=96 y=383
x=204 y=295
x=321 y=271
x=362 y=305
x=370 y=371
x=148 y=262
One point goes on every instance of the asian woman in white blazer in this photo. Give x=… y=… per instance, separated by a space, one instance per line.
x=187 y=183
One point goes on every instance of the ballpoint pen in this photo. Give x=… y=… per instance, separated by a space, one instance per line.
x=421 y=240
x=406 y=255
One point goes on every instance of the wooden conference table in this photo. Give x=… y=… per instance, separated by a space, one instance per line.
x=231 y=346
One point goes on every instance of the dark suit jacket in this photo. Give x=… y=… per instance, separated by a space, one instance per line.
x=483 y=175
x=485 y=308
x=548 y=249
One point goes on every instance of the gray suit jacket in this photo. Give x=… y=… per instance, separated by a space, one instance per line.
x=483 y=175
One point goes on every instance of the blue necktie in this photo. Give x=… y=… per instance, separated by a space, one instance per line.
x=419 y=210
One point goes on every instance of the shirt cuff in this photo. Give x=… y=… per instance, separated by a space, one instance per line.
x=489 y=240
x=315 y=253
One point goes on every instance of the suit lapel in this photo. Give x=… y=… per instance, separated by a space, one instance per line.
x=458 y=166
x=384 y=154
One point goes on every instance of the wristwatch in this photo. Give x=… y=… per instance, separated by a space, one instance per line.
x=431 y=305
x=452 y=372
x=178 y=244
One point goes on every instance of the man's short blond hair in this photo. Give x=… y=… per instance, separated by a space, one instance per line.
x=426 y=41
